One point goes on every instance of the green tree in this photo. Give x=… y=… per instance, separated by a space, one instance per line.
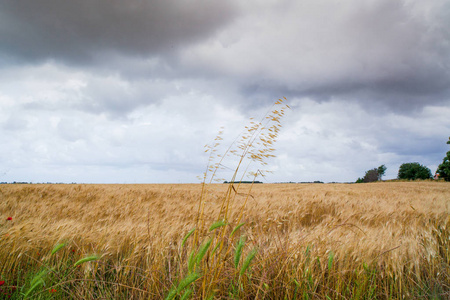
x=444 y=169
x=381 y=170
x=413 y=171
x=373 y=175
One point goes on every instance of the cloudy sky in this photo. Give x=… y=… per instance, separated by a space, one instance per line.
x=109 y=91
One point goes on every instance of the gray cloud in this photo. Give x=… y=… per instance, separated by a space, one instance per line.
x=381 y=53
x=390 y=52
x=109 y=91
x=84 y=31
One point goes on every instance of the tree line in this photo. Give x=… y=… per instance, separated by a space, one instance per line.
x=411 y=171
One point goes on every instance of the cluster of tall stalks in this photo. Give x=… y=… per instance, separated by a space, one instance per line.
x=386 y=240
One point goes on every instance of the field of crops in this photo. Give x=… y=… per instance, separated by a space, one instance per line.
x=384 y=240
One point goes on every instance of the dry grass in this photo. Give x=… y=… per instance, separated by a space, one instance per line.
x=396 y=228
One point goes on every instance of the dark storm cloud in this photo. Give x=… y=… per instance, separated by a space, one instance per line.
x=85 y=30
x=395 y=53
x=387 y=53
x=402 y=95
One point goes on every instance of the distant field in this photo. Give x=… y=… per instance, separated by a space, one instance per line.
x=398 y=229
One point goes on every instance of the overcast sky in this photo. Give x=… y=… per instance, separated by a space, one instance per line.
x=109 y=91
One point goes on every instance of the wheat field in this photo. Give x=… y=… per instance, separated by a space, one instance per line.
x=312 y=241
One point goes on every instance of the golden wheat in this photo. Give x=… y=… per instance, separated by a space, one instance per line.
x=390 y=223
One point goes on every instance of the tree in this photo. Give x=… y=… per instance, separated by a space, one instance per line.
x=381 y=170
x=444 y=169
x=413 y=171
x=373 y=175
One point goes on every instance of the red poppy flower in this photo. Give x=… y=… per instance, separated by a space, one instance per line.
x=9 y=219
x=52 y=291
x=2 y=283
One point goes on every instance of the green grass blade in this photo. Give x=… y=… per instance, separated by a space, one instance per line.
x=318 y=261
x=366 y=268
x=238 y=253
x=57 y=248
x=188 y=280
x=186 y=294
x=297 y=285
x=217 y=224
x=187 y=236
x=330 y=260
x=172 y=293
x=308 y=249
x=202 y=251
x=248 y=261
x=39 y=277
x=191 y=261
x=216 y=247
x=33 y=287
x=86 y=259
x=307 y=256
x=236 y=228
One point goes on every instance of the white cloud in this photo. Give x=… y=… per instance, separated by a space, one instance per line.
x=335 y=142
x=368 y=82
